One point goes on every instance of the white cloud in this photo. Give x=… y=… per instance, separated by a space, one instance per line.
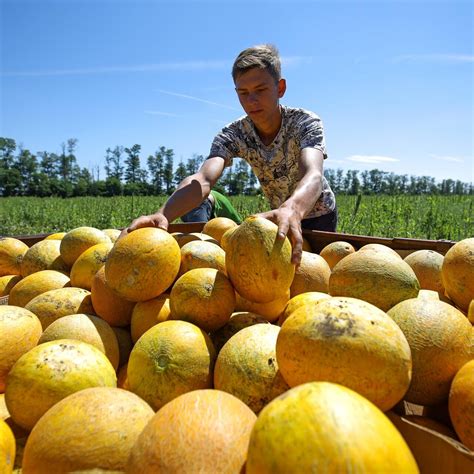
x=198 y=99
x=452 y=159
x=178 y=66
x=167 y=114
x=371 y=159
x=453 y=58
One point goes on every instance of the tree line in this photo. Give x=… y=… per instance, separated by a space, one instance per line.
x=23 y=173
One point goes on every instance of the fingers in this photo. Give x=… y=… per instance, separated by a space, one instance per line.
x=158 y=221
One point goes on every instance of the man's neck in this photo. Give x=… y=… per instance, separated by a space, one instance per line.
x=269 y=131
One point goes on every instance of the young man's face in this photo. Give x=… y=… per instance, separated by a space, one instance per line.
x=259 y=96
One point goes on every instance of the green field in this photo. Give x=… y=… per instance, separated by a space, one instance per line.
x=424 y=217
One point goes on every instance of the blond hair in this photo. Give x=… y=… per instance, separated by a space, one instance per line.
x=262 y=56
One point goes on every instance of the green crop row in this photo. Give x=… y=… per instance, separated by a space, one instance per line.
x=424 y=217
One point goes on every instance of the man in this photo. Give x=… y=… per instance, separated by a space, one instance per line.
x=216 y=205
x=284 y=146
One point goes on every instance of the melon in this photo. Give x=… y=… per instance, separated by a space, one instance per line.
x=427 y=266
x=310 y=298
x=182 y=238
x=375 y=277
x=36 y=284
x=7 y=448
x=203 y=296
x=349 y=342
x=461 y=404
x=312 y=274
x=380 y=249
x=12 y=252
x=78 y=240
x=88 y=264
x=147 y=314
x=113 y=234
x=143 y=264
x=201 y=254
x=217 y=226
x=200 y=431
x=55 y=304
x=238 y=320
x=171 y=358
x=7 y=282
x=225 y=237
x=247 y=368
x=55 y=236
x=457 y=273
x=85 y=328
x=205 y=237
x=125 y=344
x=325 y=427
x=441 y=342
x=271 y=311
x=258 y=262
x=50 y=372
x=44 y=255
x=95 y=428
x=20 y=331
x=108 y=304
x=336 y=251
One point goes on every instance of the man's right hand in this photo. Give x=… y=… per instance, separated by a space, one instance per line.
x=153 y=220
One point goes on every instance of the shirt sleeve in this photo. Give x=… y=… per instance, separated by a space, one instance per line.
x=225 y=145
x=312 y=133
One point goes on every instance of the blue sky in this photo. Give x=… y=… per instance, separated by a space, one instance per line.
x=392 y=81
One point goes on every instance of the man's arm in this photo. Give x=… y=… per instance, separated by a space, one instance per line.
x=189 y=194
x=289 y=215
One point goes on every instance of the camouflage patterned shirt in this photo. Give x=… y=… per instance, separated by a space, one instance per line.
x=276 y=165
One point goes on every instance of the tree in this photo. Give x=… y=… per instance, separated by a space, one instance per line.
x=113 y=163
x=132 y=162
x=180 y=173
x=27 y=166
x=193 y=164
x=168 y=171
x=156 y=170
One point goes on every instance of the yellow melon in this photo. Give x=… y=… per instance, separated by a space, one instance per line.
x=217 y=226
x=247 y=367
x=336 y=251
x=12 y=252
x=258 y=262
x=113 y=234
x=380 y=249
x=55 y=236
x=461 y=404
x=324 y=427
x=85 y=328
x=349 y=342
x=20 y=331
x=4 y=414
x=78 y=240
x=375 y=277
x=205 y=237
x=428 y=294
x=182 y=238
x=203 y=431
x=7 y=282
x=312 y=274
x=271 y=311
x=310 y=298
x=440 y=339
x=203 y=296
x=239 y=320
x=7 y=448
x=470 y=312
x=55 y=304
x=147 y=314
x=50 y=372
x=94 y=428
x=88 y=264
x=201 y=254
x=125 y=344
x=44 y=255
x=143 y=264
x=108 y=304
x=458 y=273
x=427 y=266
x=225 y=237
x=36 y=284
x=171 y=358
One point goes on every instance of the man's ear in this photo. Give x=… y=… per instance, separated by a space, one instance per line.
x=281 y=88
